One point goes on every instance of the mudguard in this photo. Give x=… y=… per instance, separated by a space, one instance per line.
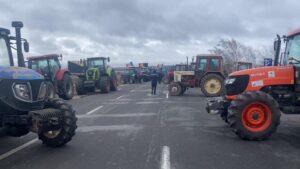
x=60 y=74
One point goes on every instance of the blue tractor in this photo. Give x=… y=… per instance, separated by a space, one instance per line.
x=24 y=105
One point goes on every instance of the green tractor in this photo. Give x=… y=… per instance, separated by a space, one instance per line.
x=94 y=73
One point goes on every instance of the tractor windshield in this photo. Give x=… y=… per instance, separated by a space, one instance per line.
x=293 y=49
x=94 y=63
x=4 y=53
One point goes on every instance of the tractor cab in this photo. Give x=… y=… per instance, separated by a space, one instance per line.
x=97 y=62
x=181 y=67
x=242 y=66
x=47 y=65
x=208 y=63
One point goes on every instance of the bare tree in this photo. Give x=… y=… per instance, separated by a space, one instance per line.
x=234 y=51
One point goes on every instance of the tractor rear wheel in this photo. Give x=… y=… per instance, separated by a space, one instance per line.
x=254 y=115
x=63 y=135
x=104 y=84
x=67 y=87
x=212 y=85
x=175 y=89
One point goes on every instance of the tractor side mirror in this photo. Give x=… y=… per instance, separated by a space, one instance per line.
x=26 y=46
x=108 y=59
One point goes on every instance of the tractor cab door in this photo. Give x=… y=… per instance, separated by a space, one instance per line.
x=54 y=67
x=201 y=68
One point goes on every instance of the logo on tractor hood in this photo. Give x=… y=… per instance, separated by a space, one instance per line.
x=19 y=73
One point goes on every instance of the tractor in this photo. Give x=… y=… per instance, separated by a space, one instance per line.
x=131 y=75
x=24 y=106
x=169 y=77
x=94 y=73
x=60 y=81
x=255 y=98
x=242 y=66
x=206 y=73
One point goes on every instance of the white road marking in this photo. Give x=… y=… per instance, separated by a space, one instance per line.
x=110 y=128
x=11 y=152
x=132 y=90
x=92 y=111
x=165 y=162
x=117 y=115
x=147 y=102
x=167 y=95
x=119 y=97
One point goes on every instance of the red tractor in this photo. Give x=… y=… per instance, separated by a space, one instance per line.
x=206 y=73
x=59 y=79
x=255 y=98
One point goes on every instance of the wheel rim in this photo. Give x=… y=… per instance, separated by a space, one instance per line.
x=256 y=117
x=174 y=89
x=52 y=134
x=212 y=86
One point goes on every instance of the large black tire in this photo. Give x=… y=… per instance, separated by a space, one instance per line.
x=80 y=87
x=175 y=89
x=212 y=85
x=113 y=83
x=104 y=84
x=67 y=131
x=254 y=115
x=51 y=92
x=67 y=87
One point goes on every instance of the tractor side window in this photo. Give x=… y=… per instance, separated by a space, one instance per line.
x=214 y=64
x=4 y=57
x=293 y=49
x=202 y=64
x=54 y=66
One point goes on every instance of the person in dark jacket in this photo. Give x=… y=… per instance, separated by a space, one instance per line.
x=154 y=82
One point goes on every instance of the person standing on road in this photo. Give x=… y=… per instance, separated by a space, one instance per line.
x=154 y=82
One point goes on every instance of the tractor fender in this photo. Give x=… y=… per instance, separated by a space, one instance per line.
x=60 y=74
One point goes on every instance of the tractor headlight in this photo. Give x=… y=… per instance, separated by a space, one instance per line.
x=43 y=91
x=229 y=80
x=22 y=92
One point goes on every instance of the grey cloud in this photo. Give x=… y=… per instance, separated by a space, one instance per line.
x=120 y=28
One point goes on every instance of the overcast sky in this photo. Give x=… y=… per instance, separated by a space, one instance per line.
x=154 y=31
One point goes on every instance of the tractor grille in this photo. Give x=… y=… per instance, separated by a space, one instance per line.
x=238 y=86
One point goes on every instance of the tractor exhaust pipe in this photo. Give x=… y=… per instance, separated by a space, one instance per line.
x=18 y=25
x=277 y=46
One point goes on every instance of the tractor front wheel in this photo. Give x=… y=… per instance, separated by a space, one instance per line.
x=80 y=87
x=63 y=135
x=175 y=89
x=104 y=84
x=113 y=83
x=212 y=85
x=67 y=87
x=254 y=115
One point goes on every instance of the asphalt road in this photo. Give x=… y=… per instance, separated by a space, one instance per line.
x=131 y=129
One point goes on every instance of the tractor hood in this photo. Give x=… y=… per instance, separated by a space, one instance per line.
x=18 y=73
x=257 y=78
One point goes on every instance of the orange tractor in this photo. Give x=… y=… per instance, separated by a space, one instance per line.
x=255 y=98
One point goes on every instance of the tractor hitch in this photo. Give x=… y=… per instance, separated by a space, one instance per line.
x=217 y=105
